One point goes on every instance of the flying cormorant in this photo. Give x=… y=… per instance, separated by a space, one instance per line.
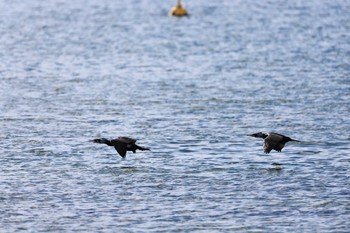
x=273 y=141
x=121 y=144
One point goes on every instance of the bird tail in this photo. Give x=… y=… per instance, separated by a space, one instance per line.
x=142 y=148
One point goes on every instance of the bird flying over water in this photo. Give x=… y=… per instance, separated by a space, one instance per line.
x=273 y=141
x=121 y=144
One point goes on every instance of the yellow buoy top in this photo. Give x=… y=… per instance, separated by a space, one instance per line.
x=178 y=10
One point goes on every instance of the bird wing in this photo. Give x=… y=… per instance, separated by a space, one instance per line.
x=121 y=149
x=276 y=134
x=121 y=146
x=281 y=137
x=279 y=147
x=269 y=144
x=126 y=140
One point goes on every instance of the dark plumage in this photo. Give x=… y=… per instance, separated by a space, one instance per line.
x=273 y=141
x=121 y=144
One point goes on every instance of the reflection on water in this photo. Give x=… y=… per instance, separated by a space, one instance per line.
x=191 y=89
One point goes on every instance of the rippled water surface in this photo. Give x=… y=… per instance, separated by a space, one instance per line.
x=191 y=89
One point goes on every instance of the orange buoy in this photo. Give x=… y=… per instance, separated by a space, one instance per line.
x=178 y=10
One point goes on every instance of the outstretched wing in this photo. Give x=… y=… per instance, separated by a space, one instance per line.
x=126 y=140
x=121 y=149
x=269 y=144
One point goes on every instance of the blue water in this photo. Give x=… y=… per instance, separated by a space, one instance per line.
x=191 y=89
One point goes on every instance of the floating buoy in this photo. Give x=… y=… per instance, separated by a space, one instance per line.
x=178 y=10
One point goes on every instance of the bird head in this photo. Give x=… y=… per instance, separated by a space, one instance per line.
x=258 y=135
x=100 y=140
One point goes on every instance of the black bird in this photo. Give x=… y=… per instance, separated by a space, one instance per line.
x=273 y=141
x=121 y=144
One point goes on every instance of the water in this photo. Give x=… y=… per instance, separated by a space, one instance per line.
x=190 y=89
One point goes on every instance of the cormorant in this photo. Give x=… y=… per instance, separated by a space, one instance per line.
x=121 y=144
x=273 y=141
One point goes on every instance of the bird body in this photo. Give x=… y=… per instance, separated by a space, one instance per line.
x=121 y=144
x=273 y=141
